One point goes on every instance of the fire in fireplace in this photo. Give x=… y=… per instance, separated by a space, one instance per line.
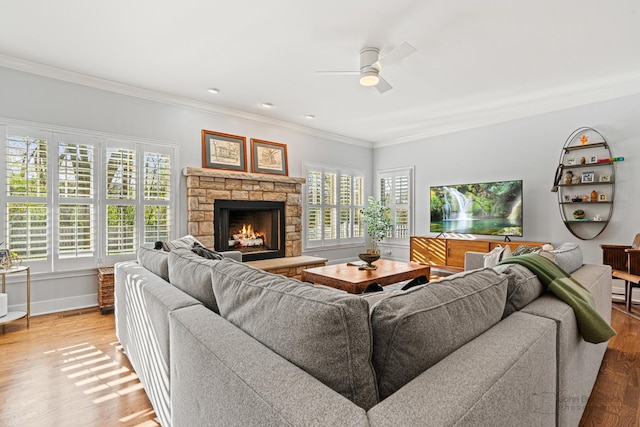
x=255 y=228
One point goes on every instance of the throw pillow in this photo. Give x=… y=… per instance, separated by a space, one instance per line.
x=324 y=331
x=523 y=287
x=524 y=249
x=192 y=274
x=183 y=242
x=154 y=260
x=506 y=253
x=200 y=250
x=415 y=329
x=492 y=258
x=568 y=256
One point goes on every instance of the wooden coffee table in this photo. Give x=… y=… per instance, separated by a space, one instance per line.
x=351 y=279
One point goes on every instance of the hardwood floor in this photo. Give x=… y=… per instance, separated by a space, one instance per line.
x=67 y=369
x=615 y=399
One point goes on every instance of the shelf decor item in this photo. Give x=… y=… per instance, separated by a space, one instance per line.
x=579 y=214
x=588 y=176
x=224 y=151
x=604 y=178
x=5 y=259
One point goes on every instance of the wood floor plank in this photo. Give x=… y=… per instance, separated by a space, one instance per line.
x=67 y=369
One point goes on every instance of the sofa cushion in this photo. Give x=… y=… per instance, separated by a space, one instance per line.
x=568 y=256
x=321 y=330
x=154 y=260
x=192 y=274
x=522 y=287
x=414 y=330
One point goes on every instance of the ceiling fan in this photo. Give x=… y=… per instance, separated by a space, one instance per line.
x=371 y=65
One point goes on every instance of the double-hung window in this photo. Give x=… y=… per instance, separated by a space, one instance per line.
x=396 y=187
x=334 y=199
x=27 y=181
x=75 y=203
x=77 y=200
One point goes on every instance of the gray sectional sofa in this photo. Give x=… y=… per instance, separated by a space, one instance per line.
x=219 y=343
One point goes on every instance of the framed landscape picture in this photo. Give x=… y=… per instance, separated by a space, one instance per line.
x=268 y=157
x=224 y=151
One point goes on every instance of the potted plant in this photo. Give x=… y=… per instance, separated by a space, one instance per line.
x=377 y=219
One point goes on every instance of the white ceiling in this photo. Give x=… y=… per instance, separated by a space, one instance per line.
x=478 y=62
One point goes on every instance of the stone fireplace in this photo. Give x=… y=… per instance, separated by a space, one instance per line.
x=254 y=227
x=207 y=186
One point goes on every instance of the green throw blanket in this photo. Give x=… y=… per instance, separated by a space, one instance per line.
x=592 y=326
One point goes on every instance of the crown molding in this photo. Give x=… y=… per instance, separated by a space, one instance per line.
x=454 y=119
x=149 y=95
x=531 y=104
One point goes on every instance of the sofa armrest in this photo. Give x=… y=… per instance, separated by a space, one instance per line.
x=574 y=353
x=221 y=374
x=473 y=260
x=234 y=255
x=506 y=376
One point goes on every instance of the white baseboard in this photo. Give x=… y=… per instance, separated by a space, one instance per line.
x=57 y=305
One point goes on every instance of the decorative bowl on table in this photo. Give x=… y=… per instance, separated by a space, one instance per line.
x=369 y=259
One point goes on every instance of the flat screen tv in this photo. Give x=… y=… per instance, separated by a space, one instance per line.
x=489 y=208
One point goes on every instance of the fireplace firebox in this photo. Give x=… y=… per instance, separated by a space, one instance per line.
x=255 y=228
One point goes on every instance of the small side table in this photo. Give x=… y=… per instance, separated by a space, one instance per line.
x=15 y=315
x=105 y=289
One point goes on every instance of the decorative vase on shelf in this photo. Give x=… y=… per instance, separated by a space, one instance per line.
x=579 y=214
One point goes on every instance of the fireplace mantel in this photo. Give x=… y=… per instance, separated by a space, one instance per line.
x=205 y=186
x=216 y=173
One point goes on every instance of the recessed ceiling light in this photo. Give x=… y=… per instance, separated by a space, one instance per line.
x=267 y=105
x=213 y=90
x=309 y=116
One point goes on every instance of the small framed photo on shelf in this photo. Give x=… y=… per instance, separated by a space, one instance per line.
x=224 y=151
x=604 y=178
x=593 y=159
x=602 y=197
x=571 y=162
x=268 y=157
x=567 y=198
x=588 y=177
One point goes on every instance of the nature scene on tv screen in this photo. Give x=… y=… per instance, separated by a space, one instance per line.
x=491 y=208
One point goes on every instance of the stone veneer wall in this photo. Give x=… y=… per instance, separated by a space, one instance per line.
x=204 y=186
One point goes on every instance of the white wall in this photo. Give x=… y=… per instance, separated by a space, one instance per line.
x=528 y=149
x=43 y=100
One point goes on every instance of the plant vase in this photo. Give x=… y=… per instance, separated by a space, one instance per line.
x=369 y=258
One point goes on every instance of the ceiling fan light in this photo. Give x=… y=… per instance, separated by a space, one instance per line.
x=369 y=78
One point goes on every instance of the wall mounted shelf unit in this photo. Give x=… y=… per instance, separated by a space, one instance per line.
x=587 y=183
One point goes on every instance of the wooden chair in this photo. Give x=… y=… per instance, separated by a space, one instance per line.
x=625 y=263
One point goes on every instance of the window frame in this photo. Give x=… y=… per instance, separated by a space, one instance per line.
x=55 y=261
x=355 y=209
x=393 y=174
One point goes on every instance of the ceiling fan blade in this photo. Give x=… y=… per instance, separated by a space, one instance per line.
x=397 y=54
x=336 y=73
x=383 y=85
